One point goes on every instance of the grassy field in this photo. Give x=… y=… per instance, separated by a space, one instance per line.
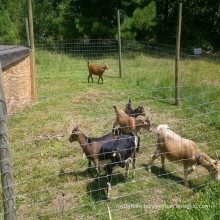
x=51 y=177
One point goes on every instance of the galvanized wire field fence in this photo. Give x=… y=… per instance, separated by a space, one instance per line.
x=51 y=177
x=97 y=52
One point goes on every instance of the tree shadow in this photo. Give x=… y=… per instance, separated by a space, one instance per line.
x=97 y=189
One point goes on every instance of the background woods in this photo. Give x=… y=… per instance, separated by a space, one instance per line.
x=141 y=20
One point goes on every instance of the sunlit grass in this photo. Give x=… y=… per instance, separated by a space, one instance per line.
x=51 y=179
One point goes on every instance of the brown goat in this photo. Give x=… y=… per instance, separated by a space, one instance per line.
x=177 y=149
x=96 y=70
x=134 y=112
x=91 y=146
x=130 y=124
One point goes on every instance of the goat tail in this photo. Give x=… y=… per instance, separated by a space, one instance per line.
x=114 y=107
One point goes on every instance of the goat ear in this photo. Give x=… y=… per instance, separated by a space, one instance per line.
x=76 y=128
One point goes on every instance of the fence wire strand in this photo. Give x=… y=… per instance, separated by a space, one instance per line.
x=52 y=178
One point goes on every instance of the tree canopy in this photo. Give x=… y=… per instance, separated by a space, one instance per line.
x=140 y=20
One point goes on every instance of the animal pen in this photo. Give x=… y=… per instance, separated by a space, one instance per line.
x=51 y=177
x=18 y=76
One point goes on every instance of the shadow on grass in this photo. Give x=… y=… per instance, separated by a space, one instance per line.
x=97 y=189
x=87 y=173
x=161 y=174
x=113 y=77
x=94 y=82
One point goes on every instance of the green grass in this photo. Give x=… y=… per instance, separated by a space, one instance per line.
x=51 y=179
x=205 y=205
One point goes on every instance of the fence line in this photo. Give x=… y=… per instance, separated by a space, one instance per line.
x=118 y=185
x=39 y=202
x=50 y=175
x=104 y=164
x=97 y=118
x=151 y=111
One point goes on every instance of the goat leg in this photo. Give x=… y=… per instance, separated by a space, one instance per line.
x=109 y=169
x=163 y=161
x=127 y=170
x=152 y=158
x=186 y=173
x=96 y=162
x=89 y=166
x=192 y=169
x=138 y=144
x=133 y=168
x=88 y=78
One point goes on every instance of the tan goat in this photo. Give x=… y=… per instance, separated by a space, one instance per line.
x=96 y=70
x=177 y=149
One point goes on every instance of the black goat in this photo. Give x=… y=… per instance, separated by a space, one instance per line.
x=120 y=151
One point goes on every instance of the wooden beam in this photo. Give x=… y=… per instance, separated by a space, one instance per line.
x=119 y=42
x=32 y=52
x=177 y=88
x=27 y=32
x=9 y=201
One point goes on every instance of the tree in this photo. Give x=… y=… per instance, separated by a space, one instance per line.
x=8 y=30
x=140 y=25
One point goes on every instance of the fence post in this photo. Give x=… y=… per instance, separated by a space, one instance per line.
x=119 y=41
x=177 y=89
x=32 y=52
x=9 y=202
x=27 y=32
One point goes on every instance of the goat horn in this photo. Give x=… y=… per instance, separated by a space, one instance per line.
x=216 y=155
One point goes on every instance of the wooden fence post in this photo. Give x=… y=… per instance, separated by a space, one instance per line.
x=32 y=52
x=9 y=202
x=27 y=32
x=119 y=42
x=177 y=88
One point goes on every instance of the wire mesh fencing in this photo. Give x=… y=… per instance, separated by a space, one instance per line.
x=51 y=176
x=52 y=179
x=100 y=51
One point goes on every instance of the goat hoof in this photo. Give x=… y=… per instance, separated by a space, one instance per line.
x=97 y=179
x=108 y=197
x=186 y=184
x=133 y=181
x=163 y=170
